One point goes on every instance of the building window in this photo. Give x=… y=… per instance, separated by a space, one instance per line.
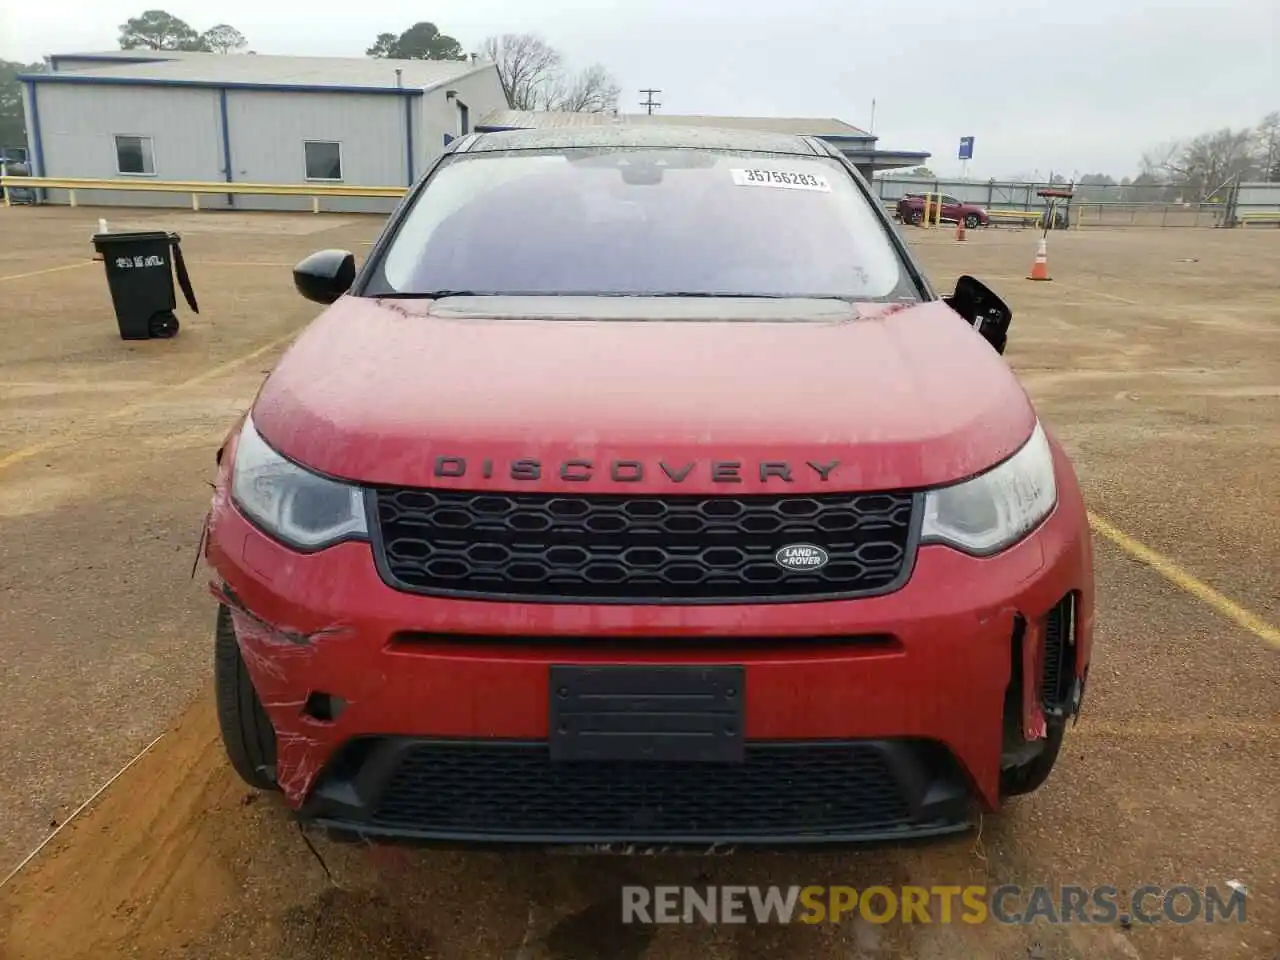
x=135 y=156
x=323 y=159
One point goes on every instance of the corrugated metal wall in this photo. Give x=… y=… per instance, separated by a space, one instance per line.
x=79 y=123
x=1258 y=198
x=268 y=129
x=482 y=94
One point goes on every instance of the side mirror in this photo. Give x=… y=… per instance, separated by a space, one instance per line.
x=326 y=275
x=986 y=312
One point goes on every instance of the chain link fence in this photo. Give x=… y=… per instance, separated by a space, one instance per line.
x=1110 y=205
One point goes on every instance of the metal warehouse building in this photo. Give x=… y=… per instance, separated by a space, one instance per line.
x=856 y=144
x=249 y=118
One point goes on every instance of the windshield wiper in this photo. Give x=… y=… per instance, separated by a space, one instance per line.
x=621 y=295
x=427 y=295
x=702 y=294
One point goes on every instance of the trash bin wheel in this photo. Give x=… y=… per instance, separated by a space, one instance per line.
x=163 y=324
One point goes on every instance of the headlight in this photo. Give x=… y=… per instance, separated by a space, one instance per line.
x=293 y=504
x=998 y=508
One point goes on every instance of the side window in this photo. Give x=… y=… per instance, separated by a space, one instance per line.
x=135 y=156
x=950 y=201
x=323 y=159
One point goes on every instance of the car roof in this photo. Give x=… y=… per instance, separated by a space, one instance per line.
x=623 y=135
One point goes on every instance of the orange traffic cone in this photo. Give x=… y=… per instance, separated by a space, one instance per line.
x=1040 y=269
x=959 y=228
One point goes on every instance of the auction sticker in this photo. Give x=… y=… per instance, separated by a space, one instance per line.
x=781 y=178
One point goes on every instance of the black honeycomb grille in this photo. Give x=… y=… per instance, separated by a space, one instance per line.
x=514 y=788
x=648 y=549
x=1058 y=678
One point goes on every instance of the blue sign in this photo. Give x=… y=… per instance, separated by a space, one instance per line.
x=966 y=148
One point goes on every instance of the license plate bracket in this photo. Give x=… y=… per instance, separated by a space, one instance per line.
x=647 y=713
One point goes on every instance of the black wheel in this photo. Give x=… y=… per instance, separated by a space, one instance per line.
x=916 y=217
x=163 y=324
x=1031 y=775
x=247 y=734
x=971 y=221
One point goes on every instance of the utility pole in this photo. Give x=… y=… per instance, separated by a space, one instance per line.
x=650 y=103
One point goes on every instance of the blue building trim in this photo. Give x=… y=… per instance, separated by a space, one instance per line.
x=214 y=84
x=226 y=142
x=408 y=139
x=37 y=144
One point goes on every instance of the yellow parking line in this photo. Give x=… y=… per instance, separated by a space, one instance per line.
x=239 y=263
x=1099 y=293
x=26 y=453
x=1185 y=581
x=37 y=273
x=202 y=377
x=1069 y=285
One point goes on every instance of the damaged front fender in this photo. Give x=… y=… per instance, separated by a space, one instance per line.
x=274 y=654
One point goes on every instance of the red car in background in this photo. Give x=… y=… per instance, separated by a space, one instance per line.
x=911 y=210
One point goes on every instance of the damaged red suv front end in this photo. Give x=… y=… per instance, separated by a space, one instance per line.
x=612 y=566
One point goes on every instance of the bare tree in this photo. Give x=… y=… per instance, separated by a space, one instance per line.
x=1205 y=164
x=527 y=66
x=533 y=77
x=1268 y=137
x=594 y=90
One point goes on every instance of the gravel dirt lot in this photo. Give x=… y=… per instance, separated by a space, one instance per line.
x=1154 y=354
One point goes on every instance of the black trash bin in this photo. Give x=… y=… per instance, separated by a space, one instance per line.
x=140 y=270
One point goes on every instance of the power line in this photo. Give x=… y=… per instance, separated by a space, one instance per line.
x=650 y=103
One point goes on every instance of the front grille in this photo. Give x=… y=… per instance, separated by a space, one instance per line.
x=514 y=788
x=610 y=548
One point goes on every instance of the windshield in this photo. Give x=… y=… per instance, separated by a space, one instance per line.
x=642 y=222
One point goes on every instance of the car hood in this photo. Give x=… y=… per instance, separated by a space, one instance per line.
x=687 y=395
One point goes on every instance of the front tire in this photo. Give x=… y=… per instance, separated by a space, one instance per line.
x=247 y=734
x=971 y=221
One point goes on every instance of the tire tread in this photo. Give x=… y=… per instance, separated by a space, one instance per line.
x=247 y=734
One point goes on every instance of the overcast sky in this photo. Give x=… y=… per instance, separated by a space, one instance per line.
x=1077 y=86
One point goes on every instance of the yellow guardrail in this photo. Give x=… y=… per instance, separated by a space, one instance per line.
x=197 y=188
x=1020 y=215
x=1270 y=216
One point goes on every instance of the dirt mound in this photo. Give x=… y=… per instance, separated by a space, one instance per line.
x=178 y=860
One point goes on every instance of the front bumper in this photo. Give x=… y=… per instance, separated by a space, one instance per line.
x=889 y=708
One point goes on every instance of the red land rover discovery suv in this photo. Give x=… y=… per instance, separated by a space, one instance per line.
x=638 y=489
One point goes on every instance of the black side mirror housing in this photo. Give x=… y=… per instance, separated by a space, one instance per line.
x=984 y=311
x=325 y=275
